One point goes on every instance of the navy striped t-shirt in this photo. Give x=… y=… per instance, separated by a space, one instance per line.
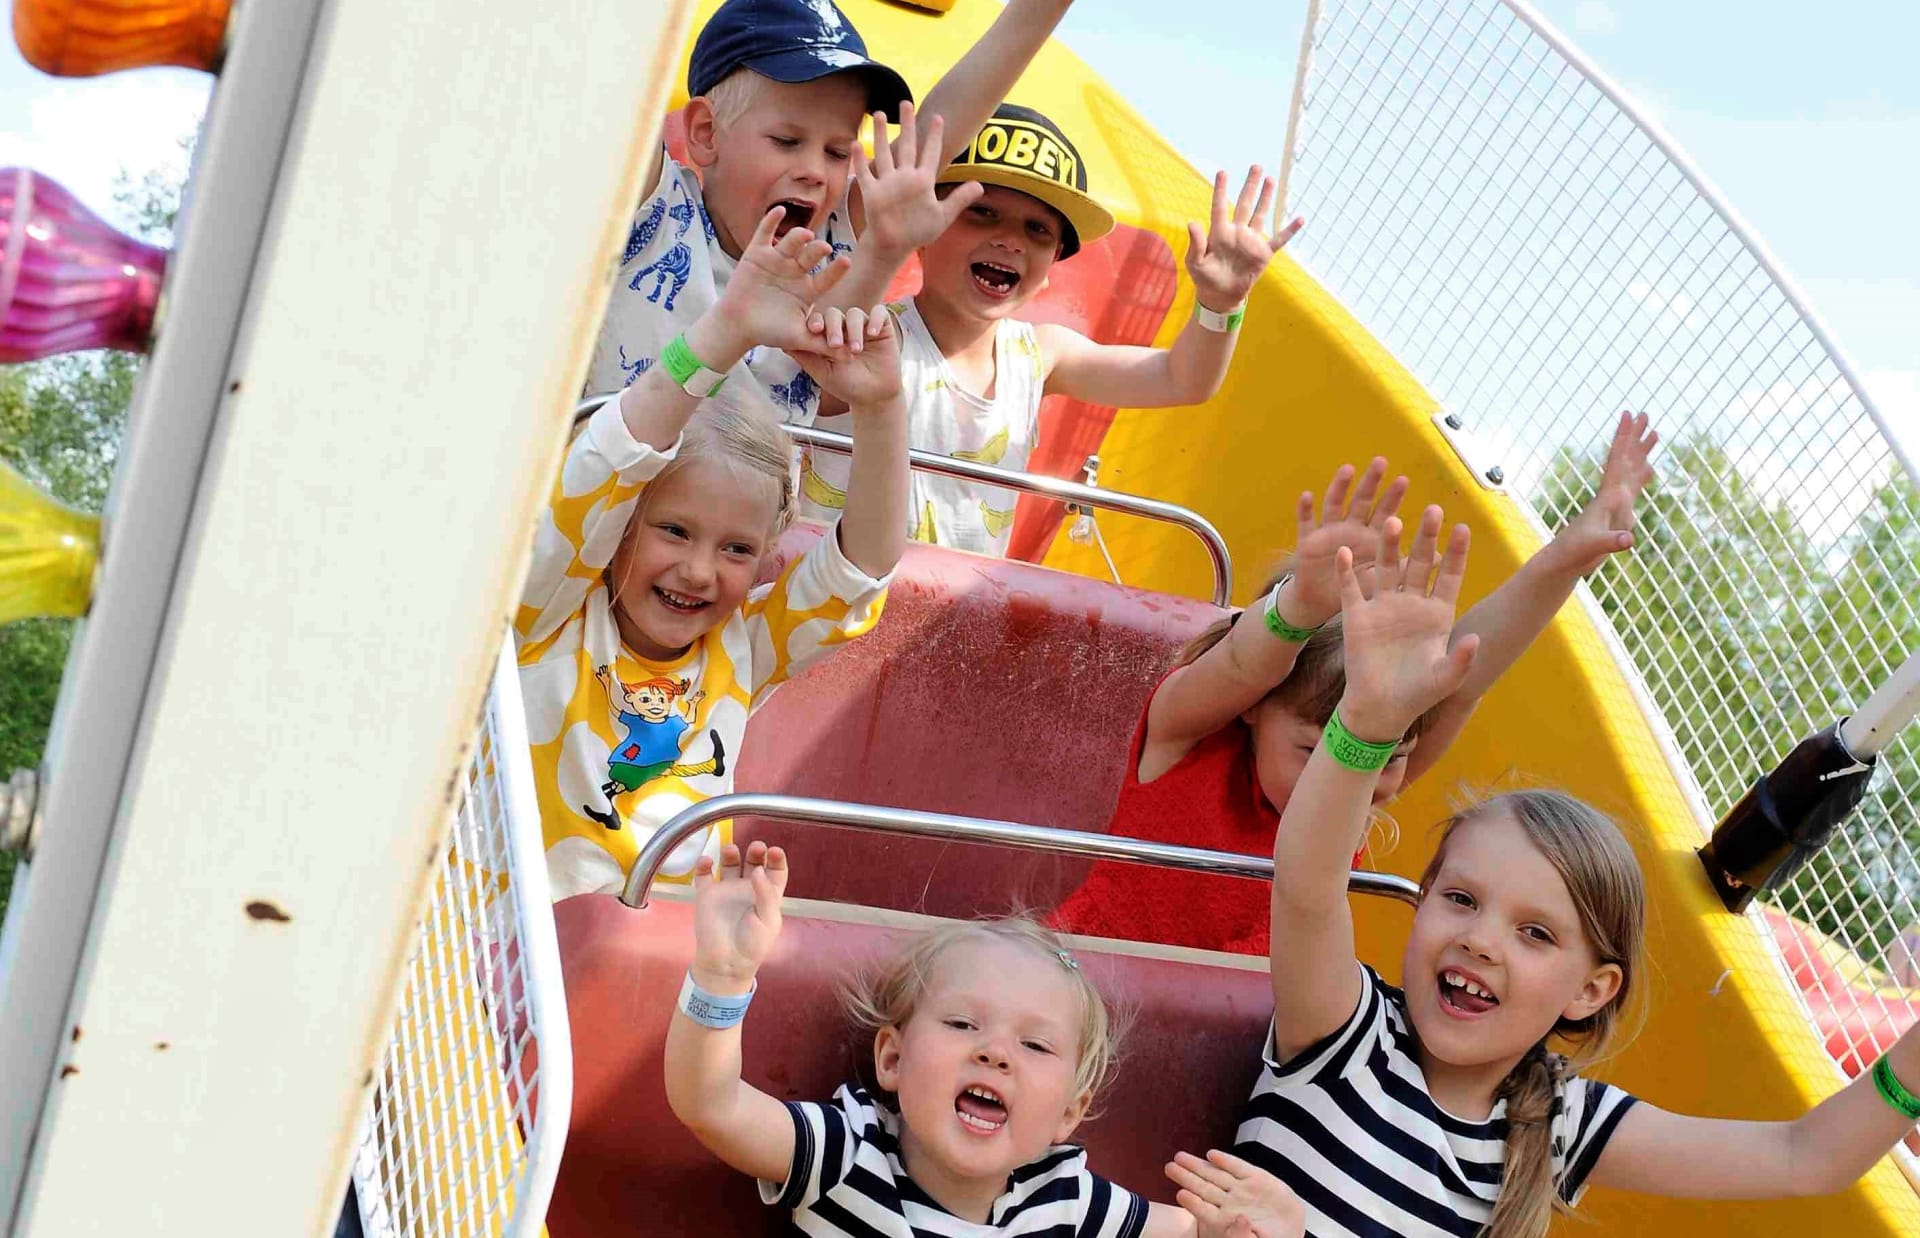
x=847 y=1180
x=1349 y=1125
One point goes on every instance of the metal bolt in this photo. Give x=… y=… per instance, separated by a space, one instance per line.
x=1496 y=475
x=1453 y=421
x=20 y=812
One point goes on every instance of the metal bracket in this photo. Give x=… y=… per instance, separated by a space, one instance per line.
x=1472 y=452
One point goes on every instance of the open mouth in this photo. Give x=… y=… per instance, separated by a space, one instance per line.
x=995 y=280
x=799 y=215
x=680 y=603
x=981 y=1110
x=1461 y=994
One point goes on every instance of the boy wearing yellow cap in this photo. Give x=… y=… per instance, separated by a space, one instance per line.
x=975 y=374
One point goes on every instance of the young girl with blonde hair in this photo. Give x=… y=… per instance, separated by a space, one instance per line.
x=1444 y=1106
x=643 y=570
x=1226 y=734
x=989 y=1045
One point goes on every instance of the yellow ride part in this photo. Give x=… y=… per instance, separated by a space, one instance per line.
x=1310 y=389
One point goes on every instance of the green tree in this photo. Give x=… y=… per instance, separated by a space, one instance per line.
x=60 y=426
x=1750 y=637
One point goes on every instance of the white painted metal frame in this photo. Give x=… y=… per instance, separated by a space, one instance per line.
x=1541 y=255
x=395 y=208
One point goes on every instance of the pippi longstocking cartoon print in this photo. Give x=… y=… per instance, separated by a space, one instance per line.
x=650 y=748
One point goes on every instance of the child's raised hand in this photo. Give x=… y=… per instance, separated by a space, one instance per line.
x=776 y=284
x=897 y=193
x=1605 y=525
x=736 y=914
x=1238 y=246
x=1396 y=619
x=1230 y=1198
x=855 y=355
x=1354 y=517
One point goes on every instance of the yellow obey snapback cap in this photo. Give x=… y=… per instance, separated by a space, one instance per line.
x=1021 y=149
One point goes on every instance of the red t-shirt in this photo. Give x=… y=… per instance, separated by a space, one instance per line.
x=1211 y=798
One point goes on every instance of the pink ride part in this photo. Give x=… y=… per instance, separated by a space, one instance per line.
x=68 y=281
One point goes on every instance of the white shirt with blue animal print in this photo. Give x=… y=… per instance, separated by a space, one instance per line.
x=671 y=272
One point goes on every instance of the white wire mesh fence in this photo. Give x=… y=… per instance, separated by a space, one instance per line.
x=1497 y=215
x=470 y=1109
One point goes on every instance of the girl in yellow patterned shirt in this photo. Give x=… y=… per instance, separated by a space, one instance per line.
x=643 y=643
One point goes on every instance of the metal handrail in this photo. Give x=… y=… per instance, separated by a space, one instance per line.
x=844 y=815
x=1030 y=483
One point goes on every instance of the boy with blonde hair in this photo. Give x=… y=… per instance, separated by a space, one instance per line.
x=779 y=89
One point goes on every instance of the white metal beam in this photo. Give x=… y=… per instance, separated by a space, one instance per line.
x=231 y=879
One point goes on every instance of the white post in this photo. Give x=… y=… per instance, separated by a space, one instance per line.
x=1884 y=714
x=316 y=537
x=1301 y=66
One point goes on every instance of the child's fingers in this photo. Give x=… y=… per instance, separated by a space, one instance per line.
x=1287 y=233
x=1217 y=217
x=882 y=149
x=1249 y=193
x=1453 y=567
x=1426 y=547
x=777 y=868
x=879 y=322
x=1367 y=486
x=1196 y=245
x=907 y=139
x=1389 y=503
x=856 y=330
x=1203 y=1177
x=1386 y=564
x=1201 y=1210
x=763 y=234
x=959 y=198
x=702 y=873
x=729 y=859
x=930 y=144
x=833 y=327
x=1351 y=595
x=1231 y=1163
x=1263 y=207
x=829 y=275
x=1304 y=514
x=1334 y=506
x=1240 y=1227
x=1457 y=662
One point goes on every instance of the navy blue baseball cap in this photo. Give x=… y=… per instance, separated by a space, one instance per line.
x=790 y=41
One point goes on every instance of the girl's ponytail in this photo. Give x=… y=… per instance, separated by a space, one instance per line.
x=1528 y=1199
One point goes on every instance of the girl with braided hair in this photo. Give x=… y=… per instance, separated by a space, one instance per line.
x=1446 y=1105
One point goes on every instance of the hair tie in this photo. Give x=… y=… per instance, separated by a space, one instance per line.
x=1070 y=962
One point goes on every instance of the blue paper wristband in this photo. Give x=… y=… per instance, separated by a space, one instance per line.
x=711 y=1009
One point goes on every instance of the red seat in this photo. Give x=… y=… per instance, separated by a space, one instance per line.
x=631 y=1168
x=990 y=688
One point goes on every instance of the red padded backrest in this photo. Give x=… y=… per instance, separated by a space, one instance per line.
x=631 y=1168
x=990 y=688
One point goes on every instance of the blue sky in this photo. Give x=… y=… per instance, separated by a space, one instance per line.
x=1808 y=121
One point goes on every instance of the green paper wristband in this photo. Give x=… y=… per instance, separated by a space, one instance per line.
x=1218 y=322
x=1894 y=1092
x=682 y=366
x=1280 y=627
x=1352 y=751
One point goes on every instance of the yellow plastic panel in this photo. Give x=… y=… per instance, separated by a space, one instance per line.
x=1311 y=389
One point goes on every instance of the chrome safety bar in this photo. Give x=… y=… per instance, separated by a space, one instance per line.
x=1032 y=483
x=843 y=815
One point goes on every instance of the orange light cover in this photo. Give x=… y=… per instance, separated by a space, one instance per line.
x=81 y=38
